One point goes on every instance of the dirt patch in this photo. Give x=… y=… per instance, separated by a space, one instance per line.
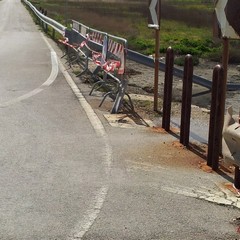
x=141 y=85
x=171 y=154
x=142 y=82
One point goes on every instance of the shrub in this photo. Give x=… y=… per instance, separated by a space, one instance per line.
x=145 y=46
x=180 y=60
x=234 y=55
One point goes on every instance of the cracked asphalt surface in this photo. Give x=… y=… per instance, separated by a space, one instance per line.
x=60 y=180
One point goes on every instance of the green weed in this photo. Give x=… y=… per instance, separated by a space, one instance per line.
x=186 y=25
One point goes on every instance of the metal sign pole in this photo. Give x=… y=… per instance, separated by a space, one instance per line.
x=66 y=12
x=227 y=14
x=154 y=22
x=156 y=72
x=225 y=59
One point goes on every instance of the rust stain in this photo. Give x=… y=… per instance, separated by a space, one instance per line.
x=175 y=130
x=226 y=169
x=231 y=188
x=203 y=166
x=178 y=145
x=159 y=130
x=162 y=130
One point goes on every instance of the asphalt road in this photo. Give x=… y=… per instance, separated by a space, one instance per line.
x=65 y=173
x=53 y=165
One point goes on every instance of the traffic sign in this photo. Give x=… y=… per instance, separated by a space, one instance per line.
x=227 y=12
x=154 y=14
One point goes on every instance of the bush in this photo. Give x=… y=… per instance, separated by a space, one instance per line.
x=181 y=60
x=145 y=46
x=234 y=55
x=194 y=47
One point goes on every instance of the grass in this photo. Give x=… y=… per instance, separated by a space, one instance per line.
x=186 y=25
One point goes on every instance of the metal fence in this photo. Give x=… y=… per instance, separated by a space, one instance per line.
x=54 y=24
x=112 y=48
x=116 y=47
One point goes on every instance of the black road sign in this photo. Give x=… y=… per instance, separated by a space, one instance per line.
x=154 y=14
x=228 y=16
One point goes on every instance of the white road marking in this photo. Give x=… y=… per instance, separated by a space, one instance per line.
x=218 y=196
x=83 y=226
x=91 y=214
x=48 y=82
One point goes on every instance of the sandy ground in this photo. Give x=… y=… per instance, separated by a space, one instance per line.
x=141 y=81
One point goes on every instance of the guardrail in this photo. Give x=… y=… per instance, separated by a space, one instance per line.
x=148 y=61
x=132 y=55
x=54 y=24
x=115 y=47
x=112 y=50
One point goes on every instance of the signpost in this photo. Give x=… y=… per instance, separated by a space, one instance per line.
x=154 y=22
x=154 y=14
x=66 y=12
x=227 y=14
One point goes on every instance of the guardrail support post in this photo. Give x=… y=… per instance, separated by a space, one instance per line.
x=167 y=98
x=46 y=28
x=186 y=101
x=215 y=125
x=53 y=33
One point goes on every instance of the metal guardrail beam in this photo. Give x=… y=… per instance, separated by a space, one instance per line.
x=77 y=26
x=148 y=61
x=132 y=55
x=54 y=24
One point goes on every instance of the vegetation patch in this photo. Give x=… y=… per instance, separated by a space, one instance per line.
x=186 y=25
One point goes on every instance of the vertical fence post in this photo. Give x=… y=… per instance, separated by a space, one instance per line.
x=215 y=125
x=186 y=101
x=167 y=98
x=237 y=178
x=53 y=33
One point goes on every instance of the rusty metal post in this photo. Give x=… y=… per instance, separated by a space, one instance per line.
x=215 y=125
x=168 y=81
x=53 y=33
x=225 y=59
x=186 y=101
x=237 y=178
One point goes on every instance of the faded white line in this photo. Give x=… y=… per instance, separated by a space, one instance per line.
x=48 y=82
x=83 y=226
x=91 y=214
x=217 y=196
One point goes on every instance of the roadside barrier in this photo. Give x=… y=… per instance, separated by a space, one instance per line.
x=186 y=100
x=46 y=21
x=186 y=96
x=223 y=141
x=83 y=44
x=215 y=128
x=107 y=52
x=167 y=96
